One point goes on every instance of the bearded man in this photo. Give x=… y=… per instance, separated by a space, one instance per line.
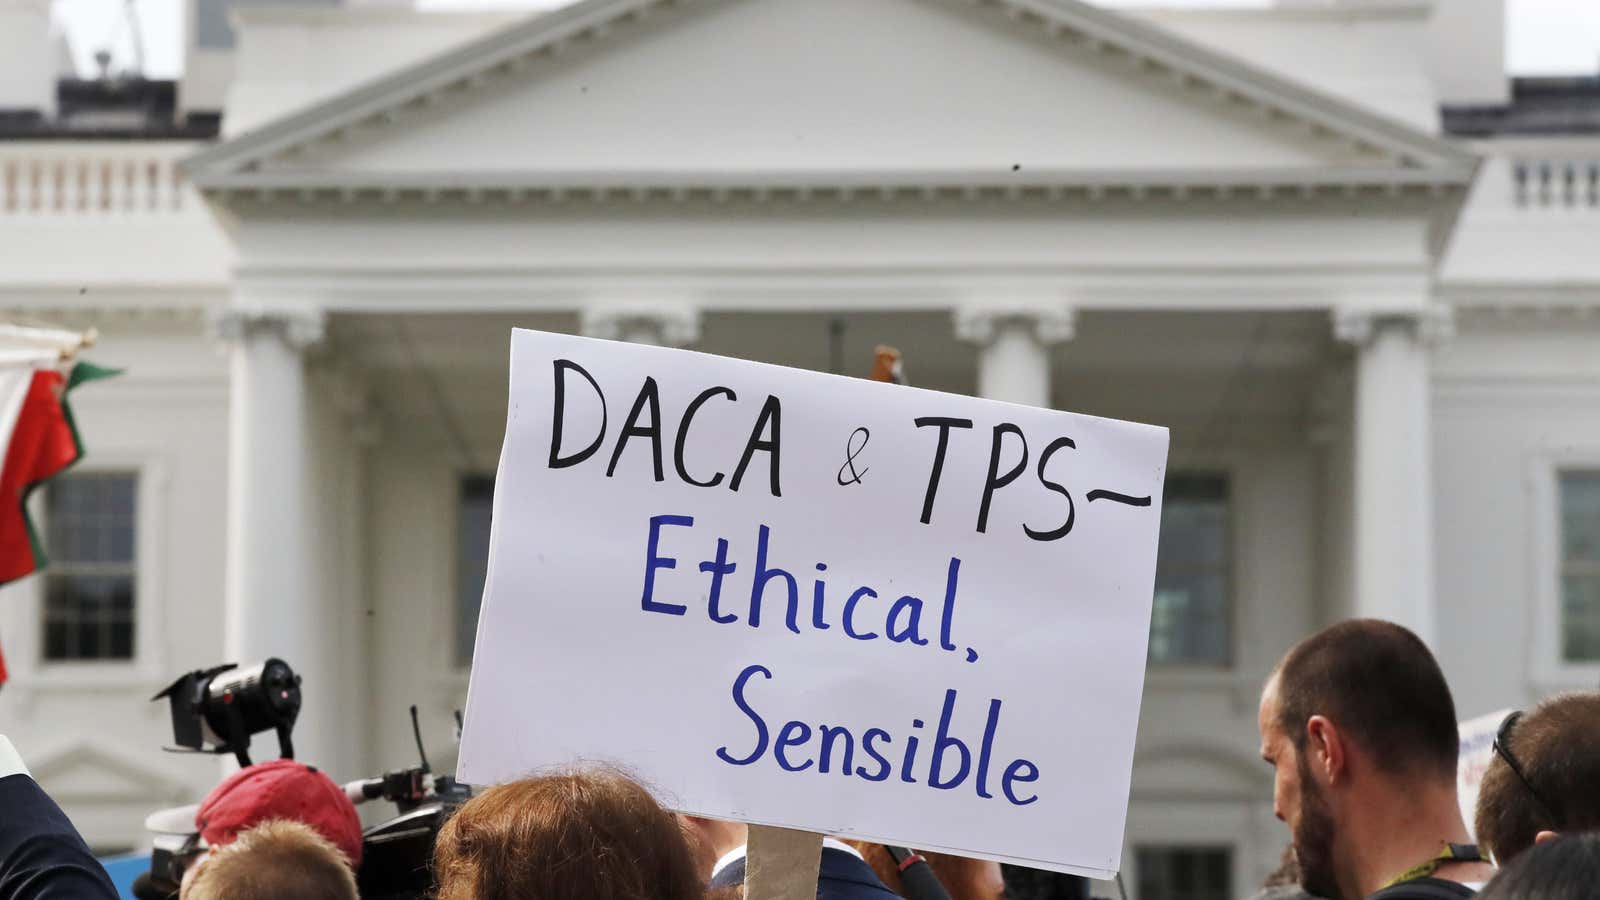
x=1359 y=727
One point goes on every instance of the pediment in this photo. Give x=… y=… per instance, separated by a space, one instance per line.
x=819 y=92
x=88 y=774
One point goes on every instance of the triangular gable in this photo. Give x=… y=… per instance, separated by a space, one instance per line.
x=83 y=772
x=1378 y=149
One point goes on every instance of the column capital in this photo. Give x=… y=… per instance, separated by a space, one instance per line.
x=300 y=329
x=1050 y=323
x=672 y=324
x=1430 y=325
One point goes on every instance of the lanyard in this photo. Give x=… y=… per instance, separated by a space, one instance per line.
x=1450 y=853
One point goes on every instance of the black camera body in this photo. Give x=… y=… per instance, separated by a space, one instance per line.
x=396 y=855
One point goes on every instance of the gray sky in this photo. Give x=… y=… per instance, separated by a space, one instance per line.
x=1544 y=37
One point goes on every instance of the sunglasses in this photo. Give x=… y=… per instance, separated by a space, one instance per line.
x=1502 y=746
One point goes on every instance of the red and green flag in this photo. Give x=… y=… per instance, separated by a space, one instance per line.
x=38 y=440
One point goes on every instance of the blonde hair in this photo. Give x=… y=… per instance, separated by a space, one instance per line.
x=274 y=860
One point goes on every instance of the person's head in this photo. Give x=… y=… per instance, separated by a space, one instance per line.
x=273 y=860
x=1556 y=747
x=1565 y=868
x=593 y=834
x=1356 y=713
x=281 y=789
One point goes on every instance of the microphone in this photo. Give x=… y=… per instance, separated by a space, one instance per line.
x=916 y=876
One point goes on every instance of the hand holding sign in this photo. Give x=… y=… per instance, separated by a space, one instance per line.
x=948 y=653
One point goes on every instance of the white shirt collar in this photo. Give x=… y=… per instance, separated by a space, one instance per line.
x=737 y=853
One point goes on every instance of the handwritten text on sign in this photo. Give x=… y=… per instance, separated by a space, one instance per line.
x=818 y=602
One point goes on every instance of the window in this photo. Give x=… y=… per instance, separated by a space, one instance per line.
x=1580 y=565
x=1189 y=623
x=90 y=582
x=474 y=505
x=1185 y=873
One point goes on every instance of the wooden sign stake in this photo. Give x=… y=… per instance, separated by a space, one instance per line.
x=781 y=864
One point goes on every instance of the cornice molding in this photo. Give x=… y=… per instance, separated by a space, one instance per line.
x=1142 y=49
x=109 y=318
x=670 y=324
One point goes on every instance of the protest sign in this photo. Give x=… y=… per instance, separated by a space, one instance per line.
x=818 y=602
x=1477 y=751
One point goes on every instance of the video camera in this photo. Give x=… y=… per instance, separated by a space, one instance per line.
x=217 y=710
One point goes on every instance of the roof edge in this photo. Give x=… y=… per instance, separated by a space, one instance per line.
x=476 y=62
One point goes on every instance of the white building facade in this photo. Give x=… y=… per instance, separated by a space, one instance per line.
x=1373 y=343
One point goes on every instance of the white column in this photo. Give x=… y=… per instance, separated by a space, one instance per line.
x=660 y=324
x=274 y=598
x=1014 y=349
x=1393 y=509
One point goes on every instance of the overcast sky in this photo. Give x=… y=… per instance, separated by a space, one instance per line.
x=1544 y=37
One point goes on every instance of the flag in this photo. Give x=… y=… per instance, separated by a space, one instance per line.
x=38 y=440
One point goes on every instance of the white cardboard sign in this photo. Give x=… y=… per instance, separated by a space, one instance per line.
x=1477 y=751
x=824 y=603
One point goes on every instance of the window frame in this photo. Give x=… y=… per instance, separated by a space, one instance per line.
x=1230 y=848
x=1588 y=568
x=59 y=567
x=22 y=618
x=1549 y=668
x=1187 y=669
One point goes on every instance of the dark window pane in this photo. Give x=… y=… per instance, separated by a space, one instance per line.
x=1580 y=617
x=121 y=640
x=55 y=640
x=1580 y=516
x=476 y=503
x=1185 y=873
x=87 y=640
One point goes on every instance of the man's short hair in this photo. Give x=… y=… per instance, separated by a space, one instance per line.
x=1381 y=686
x=1558 y=747
x=274 y=860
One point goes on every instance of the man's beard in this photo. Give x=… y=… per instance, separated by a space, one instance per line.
x=1313 y=839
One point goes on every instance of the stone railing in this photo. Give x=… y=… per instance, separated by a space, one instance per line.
x=93 y=178
x=1556 y=182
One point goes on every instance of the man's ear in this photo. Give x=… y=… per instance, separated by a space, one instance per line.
x=1326 y=745
x=1543 y=836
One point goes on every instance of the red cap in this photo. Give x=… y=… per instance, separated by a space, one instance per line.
x=280 y=789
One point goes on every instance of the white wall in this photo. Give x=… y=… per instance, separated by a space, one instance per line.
x=1514 y=399
x=1466 y=51
x=27 y=57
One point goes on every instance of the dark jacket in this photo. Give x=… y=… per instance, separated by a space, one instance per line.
x=42 y=857
x=841 y=876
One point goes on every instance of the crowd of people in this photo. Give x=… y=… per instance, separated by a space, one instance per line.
x=1356 y=721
